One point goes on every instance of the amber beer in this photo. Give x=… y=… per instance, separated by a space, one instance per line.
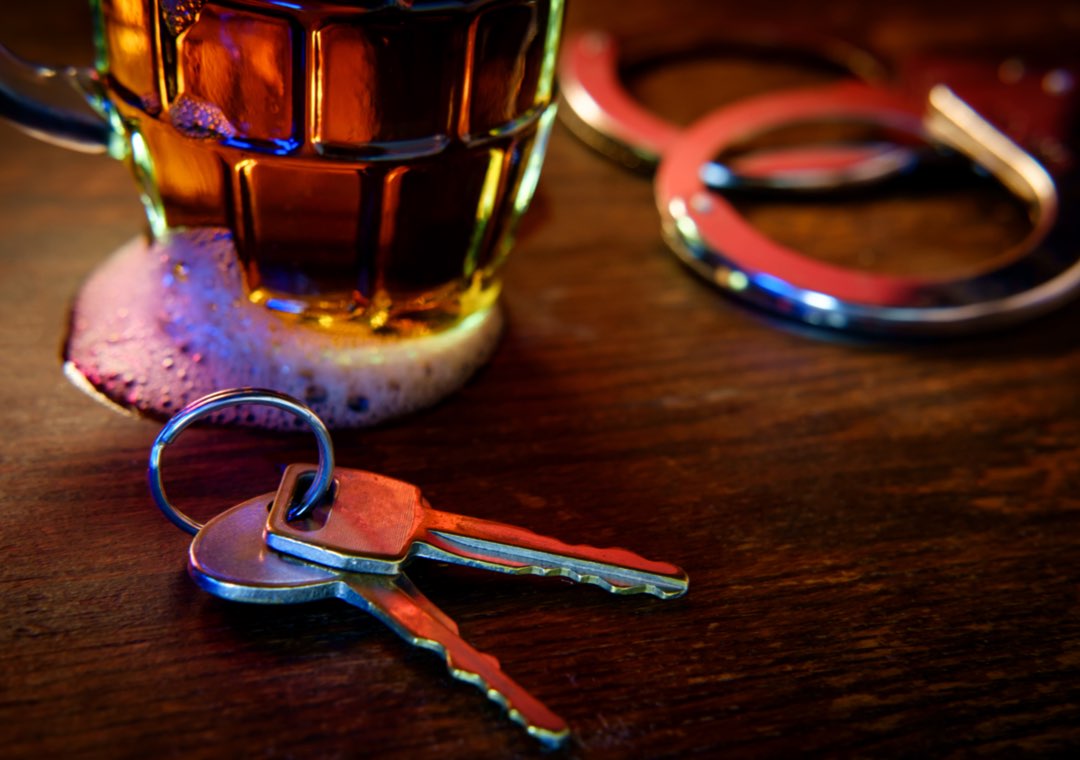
x=371 y=162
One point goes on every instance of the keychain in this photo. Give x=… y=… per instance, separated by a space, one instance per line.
x=271 y=550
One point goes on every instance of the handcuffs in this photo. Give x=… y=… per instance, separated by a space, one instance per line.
x=706 y=231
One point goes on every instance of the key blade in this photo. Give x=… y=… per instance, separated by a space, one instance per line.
x=376 y=524
x=228 y=558
x=401 y=606
x=504 y=548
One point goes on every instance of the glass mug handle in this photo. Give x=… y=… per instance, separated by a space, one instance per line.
x=24 y=84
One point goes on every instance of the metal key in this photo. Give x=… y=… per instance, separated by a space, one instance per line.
x=375 y=524
x=229 y=558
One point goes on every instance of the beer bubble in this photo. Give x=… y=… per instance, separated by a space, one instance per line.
x=315 y=394
x=178 y=15
x=199 y=120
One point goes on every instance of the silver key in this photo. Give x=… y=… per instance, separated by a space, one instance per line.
x=229 y=558
x=375 y=524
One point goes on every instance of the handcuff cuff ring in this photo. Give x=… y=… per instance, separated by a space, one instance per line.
x=708 y=234
x=600 y=111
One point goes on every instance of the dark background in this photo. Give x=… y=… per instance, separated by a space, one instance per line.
x=882 y=537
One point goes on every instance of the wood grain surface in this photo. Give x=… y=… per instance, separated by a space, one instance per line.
x=883 y=538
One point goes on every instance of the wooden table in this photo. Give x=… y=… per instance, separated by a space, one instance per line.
x=883 y=538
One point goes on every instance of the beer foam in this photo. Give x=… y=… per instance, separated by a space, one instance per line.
x=161 y=324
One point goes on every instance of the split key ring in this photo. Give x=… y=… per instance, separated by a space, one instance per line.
x=223 y=399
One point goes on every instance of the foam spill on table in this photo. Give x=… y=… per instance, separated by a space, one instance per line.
x=159 y=325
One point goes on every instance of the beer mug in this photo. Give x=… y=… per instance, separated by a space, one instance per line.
x=370 y=160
